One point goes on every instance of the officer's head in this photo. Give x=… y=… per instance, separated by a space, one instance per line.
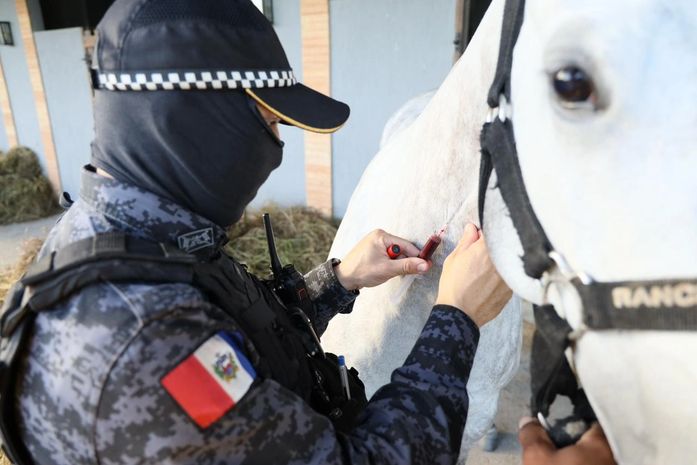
x=188 y=95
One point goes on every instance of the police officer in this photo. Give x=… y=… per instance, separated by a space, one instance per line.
x=148 y=367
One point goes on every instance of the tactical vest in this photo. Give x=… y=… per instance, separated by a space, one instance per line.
x=282 y=348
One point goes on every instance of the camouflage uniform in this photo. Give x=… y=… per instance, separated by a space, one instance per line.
x=90 y=391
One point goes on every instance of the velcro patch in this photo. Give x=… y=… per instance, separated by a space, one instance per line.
x=212 y=380
x=196 y=240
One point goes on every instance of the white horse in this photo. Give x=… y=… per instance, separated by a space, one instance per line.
x=611 y=179
x=404 y=116
x=433 y=165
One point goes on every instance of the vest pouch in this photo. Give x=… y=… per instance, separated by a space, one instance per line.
x=263 y=319
x=329 y=397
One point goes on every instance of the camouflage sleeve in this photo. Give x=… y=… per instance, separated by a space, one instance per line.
x=416 y=419
x=327 y=294
x=419 y=417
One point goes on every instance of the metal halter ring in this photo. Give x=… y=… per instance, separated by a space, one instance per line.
x=567 y=271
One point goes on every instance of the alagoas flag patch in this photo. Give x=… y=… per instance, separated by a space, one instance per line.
x=212 y=380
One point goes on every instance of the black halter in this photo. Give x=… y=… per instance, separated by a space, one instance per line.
x=668 y=305
x=633 y=305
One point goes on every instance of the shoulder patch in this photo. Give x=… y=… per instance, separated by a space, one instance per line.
x=212 y=380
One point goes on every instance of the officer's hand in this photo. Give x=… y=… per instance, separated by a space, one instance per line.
x=368 y=264
x=538 y=449
x=470 y=281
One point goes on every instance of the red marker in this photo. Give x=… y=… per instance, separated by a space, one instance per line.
x=432 y=244
x=394 y=251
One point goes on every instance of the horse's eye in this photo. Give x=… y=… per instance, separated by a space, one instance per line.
x=573 y=86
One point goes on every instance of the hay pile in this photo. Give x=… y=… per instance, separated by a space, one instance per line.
x=25 y=194
x=303 y=238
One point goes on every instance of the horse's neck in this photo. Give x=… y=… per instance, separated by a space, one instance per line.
x=428 y=174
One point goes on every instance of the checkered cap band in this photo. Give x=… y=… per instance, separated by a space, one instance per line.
x=194 y=80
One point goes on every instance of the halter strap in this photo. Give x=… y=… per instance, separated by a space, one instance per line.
x=512 y=22
x=640 y=305
x=499 y=153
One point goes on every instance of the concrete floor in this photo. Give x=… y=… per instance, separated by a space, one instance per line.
x=513 y=404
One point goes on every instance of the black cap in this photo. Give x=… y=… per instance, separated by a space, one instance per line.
x=197 y=45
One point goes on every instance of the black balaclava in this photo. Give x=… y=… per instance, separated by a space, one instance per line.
x=174 y=112
x=207 y=151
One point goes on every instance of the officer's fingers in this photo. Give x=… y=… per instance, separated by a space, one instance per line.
x=532 y=433
x=595 y=442
x=408 y=249
x=469 y=236
x=537 y=446
x=406 y=266
x=594 y=434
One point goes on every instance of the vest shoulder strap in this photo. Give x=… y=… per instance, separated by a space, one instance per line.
x=58 y=275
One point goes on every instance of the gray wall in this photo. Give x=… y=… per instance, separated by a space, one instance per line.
x=384 y=52
x=67 y=85
x=286 y=186
x=18 y=85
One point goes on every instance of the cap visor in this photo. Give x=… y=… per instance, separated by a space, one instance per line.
x=303 y=107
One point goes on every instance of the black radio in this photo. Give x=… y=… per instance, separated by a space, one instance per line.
x=289 y=285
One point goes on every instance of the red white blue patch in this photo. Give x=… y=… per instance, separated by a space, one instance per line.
x=212 y=380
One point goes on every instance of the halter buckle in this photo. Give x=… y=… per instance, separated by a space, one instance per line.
x=503 y=112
